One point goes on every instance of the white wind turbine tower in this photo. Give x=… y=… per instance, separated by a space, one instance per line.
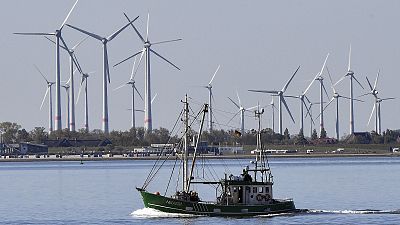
x=59 y=37
x=350 y=74
x=84 y=80
x=148 y=124
x=49 y=92
x=131 y=82
x=322 y=89
x=242 y=110
x=72 y=60
x=336 y=97
x=280 y=94
x=210 y=98
x=106 y=69
x=377 y=105
x=67 y=87
x=273 y=107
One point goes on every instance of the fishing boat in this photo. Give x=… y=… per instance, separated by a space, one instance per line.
x=247 y=194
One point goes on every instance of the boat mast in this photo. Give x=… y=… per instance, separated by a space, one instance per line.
x=258 y=114
x=185 y=153
x=205 y=110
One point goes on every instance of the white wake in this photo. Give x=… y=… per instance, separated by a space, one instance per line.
x=154 y=213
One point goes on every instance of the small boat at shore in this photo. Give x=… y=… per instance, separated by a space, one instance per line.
x=247 y=194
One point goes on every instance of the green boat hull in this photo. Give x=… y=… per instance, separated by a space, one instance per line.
x=171 y=205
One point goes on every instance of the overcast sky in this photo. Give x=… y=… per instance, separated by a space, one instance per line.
x=258 y=44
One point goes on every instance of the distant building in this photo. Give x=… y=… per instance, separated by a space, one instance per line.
x=30 y=148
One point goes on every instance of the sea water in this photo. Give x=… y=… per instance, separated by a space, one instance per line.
x=359 y=190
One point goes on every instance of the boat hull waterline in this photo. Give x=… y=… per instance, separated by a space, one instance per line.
x=171 y=205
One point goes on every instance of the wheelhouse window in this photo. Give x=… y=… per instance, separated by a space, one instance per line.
x=260 y=190
x=254 y=189
x=266 y=189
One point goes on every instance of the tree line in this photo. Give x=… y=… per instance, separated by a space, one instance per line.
x=14 y=133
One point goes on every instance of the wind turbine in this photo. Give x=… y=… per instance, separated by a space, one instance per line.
x=280 y=94
x=48 y=91
x=84 y=80
x=59 y=37
x=350 y=74
x=148 y=124
x=67 y=87
x=377 y=104
x=72 y=59
x=210 y=98
x=106 y=70
x=131 y=82
x=241 y=111
x=336 y=97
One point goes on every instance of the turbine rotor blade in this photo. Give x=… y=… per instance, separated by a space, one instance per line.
x=372 y=112
x=348 y=68
x=330 y=79
x=234 y=103
x=291 y=78
x=147 y=26
x=323 y=87
x=384 y=99
x=376 y=79
x=119 y=87
x=137 y=32
x=369 y=84
x=287 y=109
x=164 y=58
x=233 y=117
x=70 y=11
x=55 y=43
x=152 y=100
x=162 y=42
x=112 y=36
x=42 y=34
x=71 y=54
x=263 y=91
x=133 y=69
x=127 y=58
x=44 y=98
x=323 y=66
x=106 y=62
x=79 y=43
x=240 y=102
x=215 y=73
x=358 y=82
x=137 y=91
x=340 y=80
x=86 y=32
x=37 y=68
x=80 y=89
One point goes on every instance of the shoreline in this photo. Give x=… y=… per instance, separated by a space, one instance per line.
x=52 y=158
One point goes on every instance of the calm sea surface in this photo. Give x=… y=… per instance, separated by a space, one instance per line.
x=336 y=190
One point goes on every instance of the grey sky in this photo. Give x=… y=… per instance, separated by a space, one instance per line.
x=259 y=44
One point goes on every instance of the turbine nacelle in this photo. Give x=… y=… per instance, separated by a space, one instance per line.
x=147 y=44
x=350 y=73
